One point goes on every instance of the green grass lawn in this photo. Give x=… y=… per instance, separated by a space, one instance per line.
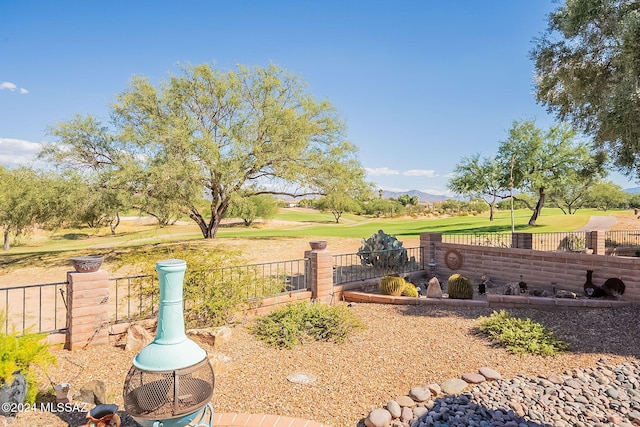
x=314 y=224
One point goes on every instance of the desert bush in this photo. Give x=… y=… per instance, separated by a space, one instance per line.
x=520 y=335
x=299 y=323
x=213 y=292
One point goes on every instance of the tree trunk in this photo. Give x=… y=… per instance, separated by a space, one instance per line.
x=114 y=224
x=490 y=212
x=5 y=247
x=538 y=208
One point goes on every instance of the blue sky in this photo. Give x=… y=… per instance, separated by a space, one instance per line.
x=420 y=83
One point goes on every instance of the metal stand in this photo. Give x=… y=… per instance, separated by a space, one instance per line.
x=207 y=411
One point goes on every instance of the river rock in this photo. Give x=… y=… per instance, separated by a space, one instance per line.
x=454 y=386
x=378 y=418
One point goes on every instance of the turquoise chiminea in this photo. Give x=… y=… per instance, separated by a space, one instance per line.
x=171 y=381
x=171 y=347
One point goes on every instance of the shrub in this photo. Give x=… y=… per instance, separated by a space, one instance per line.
x=521 y=335
x=212 y=295
x=384 y=251
x=21 y=353
x=299 y=323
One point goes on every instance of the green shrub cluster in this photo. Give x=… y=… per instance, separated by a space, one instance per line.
x=521 y=335
x=298 y=323
x=22 y=353
x=213 y=292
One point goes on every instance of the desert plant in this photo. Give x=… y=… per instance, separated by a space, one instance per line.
x=459 y=287
x=383 y=251
x=298 y=323
x=20 y=354
x=520 y=335
x=213 y=294
x=392 y=285
x=410 y=290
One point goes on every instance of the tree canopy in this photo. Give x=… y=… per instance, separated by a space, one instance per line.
x=211 y=134
x=588 y=67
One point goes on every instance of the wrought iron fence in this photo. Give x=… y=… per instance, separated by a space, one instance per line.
x=369 y=265
x=495 y=240
x=574 y=241
x=622 y=238
x=40 y=308
x=136 y=297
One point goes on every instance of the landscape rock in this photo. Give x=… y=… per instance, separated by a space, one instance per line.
x=137 y=338
x=490 y=374
x=473 y=378
x=405 y=401
x=434 y=290
x=394 y=409
x=453 y=386
x=435 y=389
x=378 y=418
x=420 y=394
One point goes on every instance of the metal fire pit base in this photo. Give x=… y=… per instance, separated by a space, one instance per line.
x=204 y=419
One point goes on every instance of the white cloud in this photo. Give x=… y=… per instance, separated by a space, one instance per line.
x=381 y=171
x=18 y=151
x=420 y=172
x=8 y=85
x=12 y=87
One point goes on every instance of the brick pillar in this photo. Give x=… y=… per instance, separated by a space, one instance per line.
x=522 y=240
x=320 y=274
x=87 y=309
x=596 y=241
x=427 y=238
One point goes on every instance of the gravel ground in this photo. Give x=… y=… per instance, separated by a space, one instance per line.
x=401 y=347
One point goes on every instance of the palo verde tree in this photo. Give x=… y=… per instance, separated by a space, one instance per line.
x=588 y=67
x=482 y=178
x=211 y=134
x=545 y=161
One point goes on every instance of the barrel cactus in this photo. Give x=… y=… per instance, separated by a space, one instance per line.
x=410 y=290
x=459 y=287
x=392 y=285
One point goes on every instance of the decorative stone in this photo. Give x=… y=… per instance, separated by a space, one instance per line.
x=490 y=374
x=405 y=401
x=435 y=389
x=473 y=378
x=565 y=294
x=301 y=378
x=63 y=393
x=420 y=394
x=434 y=290
x=407 y=414
x=94 y=393
x=394 y=409
x=87 y=264
x=137 y=338
x=453 y=386
x=378 y=418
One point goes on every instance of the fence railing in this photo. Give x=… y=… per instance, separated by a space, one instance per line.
x=622 y=238
x=569 y=241
x=494 y=240
x=136 y=297
x=37 y=308
x=369 y=265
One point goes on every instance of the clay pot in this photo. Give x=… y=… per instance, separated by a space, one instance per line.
x=87 y=264
x=318 y=245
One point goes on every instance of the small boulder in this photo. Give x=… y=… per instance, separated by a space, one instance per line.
x=435 y=389
x=405 y=401
x=453 y=386
x=137 y=338
x=490 y=374
x=407 y=415
x=378 y=418
x=394 y=409
x=473 y=378
x=434 y=290
x=420 y=394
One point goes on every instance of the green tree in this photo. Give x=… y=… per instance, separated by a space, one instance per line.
x=587 y=65
x=29 y=198
x=482 y=178
x=543 y=160
x=607 y=195
x=251 y=208
x=337 y=204
x=407 y=200
x=252 y=130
